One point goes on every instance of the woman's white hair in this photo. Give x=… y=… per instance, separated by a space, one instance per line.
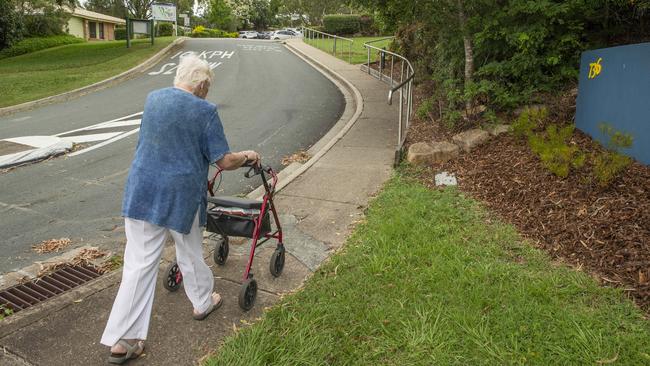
x=192 y=70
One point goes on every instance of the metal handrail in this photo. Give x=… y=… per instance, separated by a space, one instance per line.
x=405 y=86
x=310 y=34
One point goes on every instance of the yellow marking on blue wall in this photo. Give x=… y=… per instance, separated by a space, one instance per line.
x=595 y=68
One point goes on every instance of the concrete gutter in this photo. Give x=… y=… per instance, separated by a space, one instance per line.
x=98 y=85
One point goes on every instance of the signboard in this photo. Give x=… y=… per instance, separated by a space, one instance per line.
x=614 y=88
x=140 y=26
x=186 y=20
x=163 y=12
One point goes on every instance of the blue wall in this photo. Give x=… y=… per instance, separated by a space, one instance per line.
x=619 y=95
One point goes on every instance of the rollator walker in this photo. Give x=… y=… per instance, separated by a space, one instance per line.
x=240 y=217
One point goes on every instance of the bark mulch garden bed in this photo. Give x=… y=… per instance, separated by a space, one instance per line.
x=603 y=231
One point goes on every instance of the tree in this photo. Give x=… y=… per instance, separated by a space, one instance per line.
x=220 y=15
x=260 y=14
x=44 y=17
x=140 y=9
x=10 y=25
x=114 y=8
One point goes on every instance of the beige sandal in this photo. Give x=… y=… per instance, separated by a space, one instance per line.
x=210 y=309
x=133 y=351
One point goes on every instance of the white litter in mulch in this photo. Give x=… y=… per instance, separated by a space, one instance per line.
x=446 y=179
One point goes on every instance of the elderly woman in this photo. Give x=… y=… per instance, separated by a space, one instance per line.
x=180 y=135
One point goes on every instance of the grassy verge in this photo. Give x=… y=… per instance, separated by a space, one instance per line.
x=359 y=53
x=60 y=69
x=429 y=279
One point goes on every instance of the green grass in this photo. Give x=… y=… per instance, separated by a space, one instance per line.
x=359 y=53
x=429 y=279
x=60 y=69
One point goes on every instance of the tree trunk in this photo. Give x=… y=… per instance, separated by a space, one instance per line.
x=469 y=53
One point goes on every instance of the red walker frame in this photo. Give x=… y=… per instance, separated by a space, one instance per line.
x=248 y=291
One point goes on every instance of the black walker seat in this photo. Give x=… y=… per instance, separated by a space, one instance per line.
x=236 y=202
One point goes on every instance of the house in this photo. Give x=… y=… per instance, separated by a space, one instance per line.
x=93 y=26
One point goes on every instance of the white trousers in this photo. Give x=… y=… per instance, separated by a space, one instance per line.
x=131 y=311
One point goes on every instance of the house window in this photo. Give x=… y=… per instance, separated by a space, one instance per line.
x=101 y=30
x=92 y=30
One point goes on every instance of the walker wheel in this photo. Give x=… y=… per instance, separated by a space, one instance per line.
x=221 y=250
x=277 y=261
x=174 y=277
x=247 y=294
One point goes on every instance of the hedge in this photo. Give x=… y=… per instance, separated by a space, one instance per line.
x=120 y=34
x=342 y=24
x=29 y=45
x=165 y=29
x=202 y=32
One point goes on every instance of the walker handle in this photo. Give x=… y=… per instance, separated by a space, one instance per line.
x=255 y=169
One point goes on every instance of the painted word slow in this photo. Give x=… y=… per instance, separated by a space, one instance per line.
x=169 y=68
x=209 y=55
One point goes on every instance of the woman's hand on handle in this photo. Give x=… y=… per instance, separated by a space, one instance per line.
x=251 y=157
x=232 y=161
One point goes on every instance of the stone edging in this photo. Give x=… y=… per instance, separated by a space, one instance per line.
x=96 y=86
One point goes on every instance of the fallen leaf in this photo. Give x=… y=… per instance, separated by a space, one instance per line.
x=51 y=245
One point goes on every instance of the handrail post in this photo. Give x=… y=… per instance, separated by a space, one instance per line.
x=392 y=59
x=368 y=48
x=401 y=109
x=350 y=53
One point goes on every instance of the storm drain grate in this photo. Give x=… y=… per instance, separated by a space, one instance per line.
x=28 y=294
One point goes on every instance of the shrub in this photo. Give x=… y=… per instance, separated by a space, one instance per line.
x=120 y=33
x=29 y=45
x=342 y=24
x=425 y=108
x=165 y=29
x=202 y=32
x=610 y=163
x=554 y=150
x=528 y=120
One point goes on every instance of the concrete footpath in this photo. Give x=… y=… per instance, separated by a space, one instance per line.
x=319 y=202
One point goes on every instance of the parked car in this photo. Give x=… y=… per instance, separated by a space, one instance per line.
x=295 y=31
x=248 y=34
x=264 y=35
x=282 y=34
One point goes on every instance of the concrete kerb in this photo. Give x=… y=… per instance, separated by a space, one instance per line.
x=342 y=126
x=96 y=86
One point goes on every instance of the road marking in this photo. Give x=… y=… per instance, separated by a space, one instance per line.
x=205 y=54
x=21 y=119
x=34 y=141
x=99 y=124
x=259 y=48
x=168 y=68
x=271 y=136
x=130 y=122
x=91 y=138
x=101 y=144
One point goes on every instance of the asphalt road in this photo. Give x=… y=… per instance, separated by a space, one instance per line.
x=268 y=99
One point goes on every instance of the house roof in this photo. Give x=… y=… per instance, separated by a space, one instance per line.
x=91 y=15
